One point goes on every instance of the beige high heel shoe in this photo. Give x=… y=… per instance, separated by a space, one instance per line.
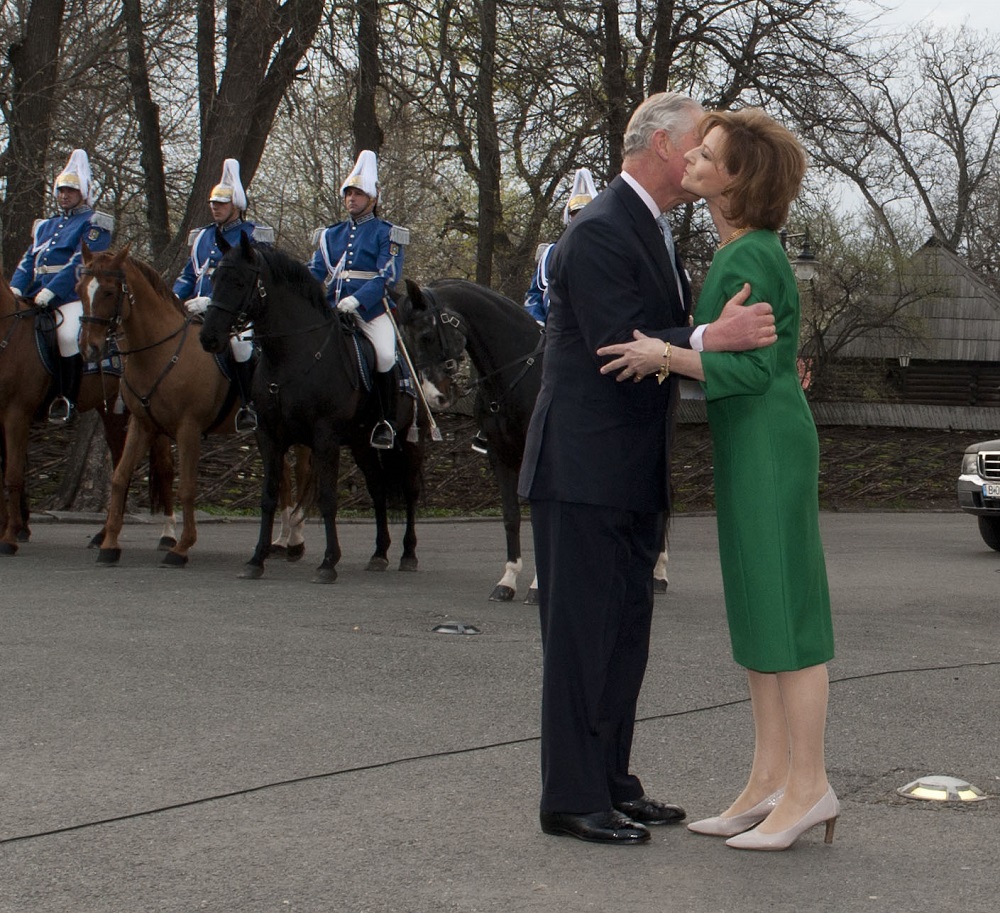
x=723 y=826
x=827 y=810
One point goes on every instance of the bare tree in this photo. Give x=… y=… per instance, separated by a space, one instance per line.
x=33 y=58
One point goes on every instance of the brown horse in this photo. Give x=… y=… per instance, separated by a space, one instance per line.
x=24 y=390
x=171 y=386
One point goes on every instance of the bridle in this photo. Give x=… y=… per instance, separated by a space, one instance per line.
x=441 y=318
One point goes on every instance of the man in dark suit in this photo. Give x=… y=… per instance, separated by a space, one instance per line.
x=595 y=468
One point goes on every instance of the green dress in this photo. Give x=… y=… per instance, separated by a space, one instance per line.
x=766 y=456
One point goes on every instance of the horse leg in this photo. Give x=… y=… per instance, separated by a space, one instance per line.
x=274 y=468
x=16 y=441
x=188 y=455
x=506 y=478
x=379 y=560
x=326 y=465
x=136 y=443
x=161 y=490
x=660 y=572
x=297 y=517
x=280 y=544
x=413 y=456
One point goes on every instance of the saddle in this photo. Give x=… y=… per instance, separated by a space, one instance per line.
x=47 y=344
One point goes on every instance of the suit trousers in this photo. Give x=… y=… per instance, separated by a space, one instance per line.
x=595 y=588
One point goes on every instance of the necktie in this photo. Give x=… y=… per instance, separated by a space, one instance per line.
x=668 y=241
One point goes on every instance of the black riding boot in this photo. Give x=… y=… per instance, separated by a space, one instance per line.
x=384 y=434
x=70 y=373
x=246 y=416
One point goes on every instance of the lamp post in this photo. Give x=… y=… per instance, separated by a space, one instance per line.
x=805 y=265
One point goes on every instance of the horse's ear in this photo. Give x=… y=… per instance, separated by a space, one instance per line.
x=415 y=296
x=85 y=253
x=220 y=241
x=119 y=258
x=246 y=248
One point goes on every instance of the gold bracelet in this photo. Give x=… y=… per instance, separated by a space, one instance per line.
x=664 y=371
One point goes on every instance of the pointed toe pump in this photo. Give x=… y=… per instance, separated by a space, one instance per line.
x=722 y=826
x=826 y=811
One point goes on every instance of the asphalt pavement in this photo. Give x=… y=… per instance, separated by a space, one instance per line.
x=183 y=740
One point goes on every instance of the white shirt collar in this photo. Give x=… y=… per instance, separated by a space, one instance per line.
x=643 y=194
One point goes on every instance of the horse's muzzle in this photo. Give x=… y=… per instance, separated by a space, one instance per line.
x=212 y=342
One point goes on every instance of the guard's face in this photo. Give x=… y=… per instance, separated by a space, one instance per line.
x=358 y=202
x=222 y=212
x=68 y=197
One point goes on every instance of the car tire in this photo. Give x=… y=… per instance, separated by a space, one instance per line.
x=989 y=529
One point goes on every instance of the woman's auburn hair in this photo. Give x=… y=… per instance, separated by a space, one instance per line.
x=766 y=162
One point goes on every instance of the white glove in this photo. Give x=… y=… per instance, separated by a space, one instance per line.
x=44 y=298
x=348 y=305
x=16 y=292
x=197 y=305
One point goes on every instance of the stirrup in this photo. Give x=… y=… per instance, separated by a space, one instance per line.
x=246 y=419
x=383 y=436
x=61 y=410
x=480 y=444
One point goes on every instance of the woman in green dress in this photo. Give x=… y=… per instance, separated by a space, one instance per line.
x=748 y=169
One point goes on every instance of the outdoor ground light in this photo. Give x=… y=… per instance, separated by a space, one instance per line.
x=942 y=789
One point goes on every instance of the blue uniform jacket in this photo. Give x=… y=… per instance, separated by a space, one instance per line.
x=362 y=259
x=195 y=281
x=536 y=302
x=54 y=255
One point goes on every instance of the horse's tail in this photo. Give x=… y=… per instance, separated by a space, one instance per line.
x=161 y=476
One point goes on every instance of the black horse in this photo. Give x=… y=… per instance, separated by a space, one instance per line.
x=308 y=390
x=451 y=318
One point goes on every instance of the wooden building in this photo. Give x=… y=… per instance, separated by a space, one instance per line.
x=949 y=354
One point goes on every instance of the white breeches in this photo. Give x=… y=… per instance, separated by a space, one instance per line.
x=242 y=345
x=379 y=330
x=68 y=328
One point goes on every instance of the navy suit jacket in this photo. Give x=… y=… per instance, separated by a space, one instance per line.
x=593 y=440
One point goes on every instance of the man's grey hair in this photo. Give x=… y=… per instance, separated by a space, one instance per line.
x=670 y=111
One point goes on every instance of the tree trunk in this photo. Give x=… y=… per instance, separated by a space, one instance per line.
x=367 y=132
x=35 y=66
x=264 y=43
x=148 y=116
x=488 y=145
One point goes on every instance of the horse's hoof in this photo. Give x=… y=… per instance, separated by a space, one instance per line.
x=23 y=535
x=295 y=552
x=659 y=585
x=377 y=563
x=8 y=548
x=252 y=572
x=502 y=593
x=532 y=597
x=407 y=563
x=325 y=575
x=276 y=549
x=166 y=543
x=109 y=556
x=173 y=559
x=96 y=540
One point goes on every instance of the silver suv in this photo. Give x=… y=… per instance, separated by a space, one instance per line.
x=979 y=488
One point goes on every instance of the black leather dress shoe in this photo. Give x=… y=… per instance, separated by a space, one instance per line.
x=598 y=827
x=648 y=811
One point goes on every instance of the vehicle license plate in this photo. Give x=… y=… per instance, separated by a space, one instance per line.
x=991 y=489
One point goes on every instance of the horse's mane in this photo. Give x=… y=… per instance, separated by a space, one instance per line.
x=285 y=268
x=155 y=280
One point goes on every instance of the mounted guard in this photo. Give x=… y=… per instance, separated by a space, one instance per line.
x=47 y=272
x=228 y=205
x=536 y=301
x=358 y=260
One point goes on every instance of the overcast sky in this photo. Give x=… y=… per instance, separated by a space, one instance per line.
x=978 y=14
